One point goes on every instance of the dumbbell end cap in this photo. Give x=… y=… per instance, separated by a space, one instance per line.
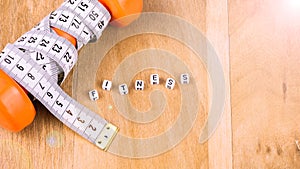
x=16 y=109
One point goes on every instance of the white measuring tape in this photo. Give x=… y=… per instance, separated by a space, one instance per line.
x=51 y=45
x=40 y=57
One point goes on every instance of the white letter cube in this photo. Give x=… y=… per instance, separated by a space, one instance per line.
x=106 y=85
x=154 y=79
x=139 y=85
x=123 y=89
x=94 y=95
x=185 y=78
x=170 y=83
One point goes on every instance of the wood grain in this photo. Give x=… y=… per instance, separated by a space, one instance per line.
x=264 y=59
x=48 y=144
x=220 y=145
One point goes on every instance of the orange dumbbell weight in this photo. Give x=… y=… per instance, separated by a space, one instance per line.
x=16 y=109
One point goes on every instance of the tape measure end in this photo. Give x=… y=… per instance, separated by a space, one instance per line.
x=106 y=136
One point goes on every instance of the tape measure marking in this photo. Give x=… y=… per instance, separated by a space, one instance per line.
x=68 y=22
x=40 y=54
x=49 y=65
x=91 y=12
x=41 y=85
x=53 y=46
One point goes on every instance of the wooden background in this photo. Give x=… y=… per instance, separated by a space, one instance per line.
x=257 y=41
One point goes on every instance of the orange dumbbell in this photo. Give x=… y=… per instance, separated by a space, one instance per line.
x=16 y=109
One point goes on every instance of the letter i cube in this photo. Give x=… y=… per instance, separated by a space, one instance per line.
x=106 y=85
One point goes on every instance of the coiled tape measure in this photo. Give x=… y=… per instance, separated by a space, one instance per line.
x=41 y=59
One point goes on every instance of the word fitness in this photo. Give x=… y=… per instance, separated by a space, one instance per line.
x=139 y=85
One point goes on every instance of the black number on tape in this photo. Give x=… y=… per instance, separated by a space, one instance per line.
x=69 y=112
x=52 y=15
x=76 y=23
x=8 y=60
x=50 y=95
x=22 y=39
x=44 y=43
x=67 y=56
x=44 y=67
x=85 y=32
x=92 y=127
x=31 y=76
x=57 y=48
x=20 y=67
x=72 y=1
x=32 y=40
x=42 y=87
x=39 y=56
x=101 y=24
x=23 y=50
x=83 y=6
x=80 y=120
x=59 y=104
x=64 y=18
x=93 y=15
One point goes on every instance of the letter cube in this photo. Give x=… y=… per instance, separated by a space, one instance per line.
x=185 y=78
x=154 y=79
x=139 y=85
x=106 y=85
x=94 y=95
x=123 y=89
x=170 y=83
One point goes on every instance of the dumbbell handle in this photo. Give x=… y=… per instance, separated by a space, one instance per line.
x=16 y=109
